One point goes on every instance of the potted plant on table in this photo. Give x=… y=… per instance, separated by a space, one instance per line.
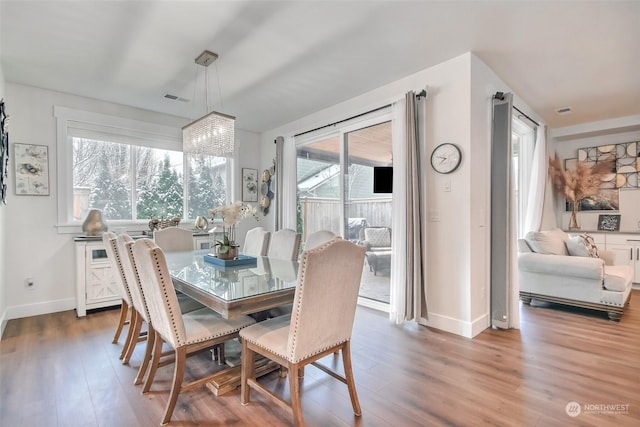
x=231 y=215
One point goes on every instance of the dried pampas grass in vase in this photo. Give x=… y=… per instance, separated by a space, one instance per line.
x=578 y=184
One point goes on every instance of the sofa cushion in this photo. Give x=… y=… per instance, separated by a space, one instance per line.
x=550 y=242
x=617 y=277
x=582 y=245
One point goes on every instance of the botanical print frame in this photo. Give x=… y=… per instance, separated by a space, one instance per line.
x=249 y=185
x=31 y=169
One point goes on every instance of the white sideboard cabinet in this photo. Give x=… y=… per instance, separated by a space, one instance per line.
x=95 y=280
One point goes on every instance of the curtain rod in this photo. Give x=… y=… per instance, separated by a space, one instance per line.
x=343 y=120
x=500 y=96
x=526 y=116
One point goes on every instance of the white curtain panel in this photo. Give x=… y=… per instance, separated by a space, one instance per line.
x=537 y=185
x=397 y=297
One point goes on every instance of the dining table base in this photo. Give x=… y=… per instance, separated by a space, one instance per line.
x=229 y=379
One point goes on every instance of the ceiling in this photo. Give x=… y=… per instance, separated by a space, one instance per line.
x=282 y=60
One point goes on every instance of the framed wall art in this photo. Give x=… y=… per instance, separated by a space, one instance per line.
x=249 y=185
x=608 y=222
x=31 y=169
x=4 y=153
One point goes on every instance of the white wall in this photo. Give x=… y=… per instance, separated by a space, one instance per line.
x=37 y=249
x=458 y=111
x=3 y=244
x=567 y=141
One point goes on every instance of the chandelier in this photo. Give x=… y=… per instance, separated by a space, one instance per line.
x=214 y=133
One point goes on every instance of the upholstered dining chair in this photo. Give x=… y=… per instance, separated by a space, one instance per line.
x=319 y=237
x=124 y=251
x=285 y=244
x=256 y=242
x=127 y=313
x=174 y=239
x=313 y=240
x=185 y=333
x=321 y=323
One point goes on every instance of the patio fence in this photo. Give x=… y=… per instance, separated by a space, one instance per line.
x=324 y=214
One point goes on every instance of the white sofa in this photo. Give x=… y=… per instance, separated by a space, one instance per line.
x=556 y=267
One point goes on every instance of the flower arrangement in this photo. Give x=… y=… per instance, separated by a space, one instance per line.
x=578 y=184
x=231 y=215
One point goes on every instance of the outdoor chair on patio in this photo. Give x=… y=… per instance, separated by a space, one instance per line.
x=377 y=240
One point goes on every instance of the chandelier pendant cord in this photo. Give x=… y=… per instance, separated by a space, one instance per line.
x=219 y=88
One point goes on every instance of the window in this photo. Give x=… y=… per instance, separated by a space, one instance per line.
x=132 y=171
x=522 y=143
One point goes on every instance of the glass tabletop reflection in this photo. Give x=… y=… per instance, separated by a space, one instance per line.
x=232 y=283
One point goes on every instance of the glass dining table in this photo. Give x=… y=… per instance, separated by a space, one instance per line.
x=233 y=291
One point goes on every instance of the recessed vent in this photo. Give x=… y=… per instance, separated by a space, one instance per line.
x=563 y=110
x=175 y=97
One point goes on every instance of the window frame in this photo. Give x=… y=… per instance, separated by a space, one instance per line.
x=77 y=123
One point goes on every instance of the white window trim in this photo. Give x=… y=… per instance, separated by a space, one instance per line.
x=76 y=121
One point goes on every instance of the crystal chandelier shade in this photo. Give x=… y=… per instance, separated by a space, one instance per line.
x=212 y=134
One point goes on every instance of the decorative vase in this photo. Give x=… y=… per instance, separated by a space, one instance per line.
x=93 y=224
x=201 y=223
x=231 y=253
x=573 y=219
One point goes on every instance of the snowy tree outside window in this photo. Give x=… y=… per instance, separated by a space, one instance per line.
x=130 y=182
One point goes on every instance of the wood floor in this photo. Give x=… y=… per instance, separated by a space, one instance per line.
x=58 y=370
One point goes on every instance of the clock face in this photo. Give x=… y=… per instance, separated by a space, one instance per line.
x=446 y=158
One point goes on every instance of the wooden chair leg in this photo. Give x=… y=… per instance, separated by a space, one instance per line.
x=151 y=335
x=132 y=339
x=294 y=391
x=247 y=372
x=127 y=340
x=178 y=375
x=124 y=312
x=348 y=373
x=155 y=361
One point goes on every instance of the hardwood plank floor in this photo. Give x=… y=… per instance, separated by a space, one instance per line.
x=57 y=370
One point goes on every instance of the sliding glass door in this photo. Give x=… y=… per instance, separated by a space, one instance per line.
x=335 y=176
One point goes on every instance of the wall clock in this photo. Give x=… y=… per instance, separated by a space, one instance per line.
x=446 y=158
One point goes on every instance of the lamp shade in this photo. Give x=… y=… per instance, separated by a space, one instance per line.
x=212 y=134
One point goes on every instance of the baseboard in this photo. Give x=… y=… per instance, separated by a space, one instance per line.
x=456 y=326
x=28 y=310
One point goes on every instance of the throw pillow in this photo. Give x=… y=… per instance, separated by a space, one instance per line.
x=582 y=245
x=550 y=242
x=377 y=236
